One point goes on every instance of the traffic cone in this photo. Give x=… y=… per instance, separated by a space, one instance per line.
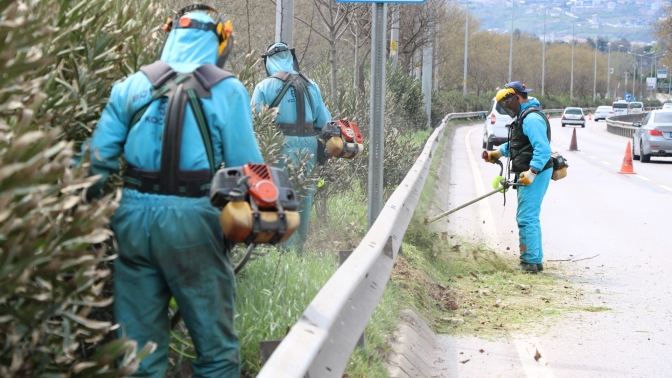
x=626 y=167
x=590 y=116
x=572 y=144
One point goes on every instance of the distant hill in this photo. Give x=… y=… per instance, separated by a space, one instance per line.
x=616 y=19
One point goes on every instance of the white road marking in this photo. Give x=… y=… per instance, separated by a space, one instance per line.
x=483 y=206
x=592 y=157
x=581 y=152
x=643 y=178
x=666 y=187
x=605 y=163
x=527 y=347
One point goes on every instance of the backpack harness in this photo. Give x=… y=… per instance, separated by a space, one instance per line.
x=180 y=89
x=520 y=147
x=300 y=84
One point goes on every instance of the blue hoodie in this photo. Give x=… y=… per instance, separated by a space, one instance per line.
x=228 y=114
x=534 y=127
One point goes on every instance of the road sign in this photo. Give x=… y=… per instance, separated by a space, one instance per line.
x=662 y=74
x=611 y=71
x=651 y=82
x=628 y=96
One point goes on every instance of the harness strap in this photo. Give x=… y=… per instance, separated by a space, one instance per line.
x=300 y=83
x=179 y=89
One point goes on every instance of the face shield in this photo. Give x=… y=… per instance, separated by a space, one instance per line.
x=507 y=100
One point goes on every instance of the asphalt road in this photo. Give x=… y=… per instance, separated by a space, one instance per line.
x=622 y=220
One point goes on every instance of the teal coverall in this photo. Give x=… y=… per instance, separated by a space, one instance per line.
x=530 y=197
x=170 y=245
x=264 y=94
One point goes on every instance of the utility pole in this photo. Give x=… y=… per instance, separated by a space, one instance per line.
x=466 y=51
x=571 y=83
x=284 y=22
x=595 y=72
x=427 y=65
x=608 y=70
x=543 y=58
x=394 y=37
x=513 y=2
x=377 y=111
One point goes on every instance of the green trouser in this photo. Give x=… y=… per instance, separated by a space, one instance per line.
x=174 y=246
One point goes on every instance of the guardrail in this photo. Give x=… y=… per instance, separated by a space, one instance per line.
x=622 y=125
x=321 y=342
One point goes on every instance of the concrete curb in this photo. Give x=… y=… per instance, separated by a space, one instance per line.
x=413 y=348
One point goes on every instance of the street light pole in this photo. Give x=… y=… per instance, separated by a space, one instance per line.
x=571 y=83
x=608 y=69
x=513 y=2
x=543 y=58
x=595 y=72
x=466 y=51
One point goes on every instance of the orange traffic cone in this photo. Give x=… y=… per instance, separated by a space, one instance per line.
x=590 y=116
x=572 y=144
x=626 y=167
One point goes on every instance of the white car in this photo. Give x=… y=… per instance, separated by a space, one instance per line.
x=496 y=127
x=636 y=107
x=573 y=116
x=603 y=112
x=667 y=105
x=621 y=107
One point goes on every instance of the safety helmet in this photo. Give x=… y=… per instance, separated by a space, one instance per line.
x=222 y=29
x=502 y=97
x=279 y=47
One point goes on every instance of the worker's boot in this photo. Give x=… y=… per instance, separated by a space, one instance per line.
x=540 y=267
x=528 y=268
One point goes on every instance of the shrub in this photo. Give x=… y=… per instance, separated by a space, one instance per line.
x=58 y=62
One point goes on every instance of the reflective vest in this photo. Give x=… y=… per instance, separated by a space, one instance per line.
x=520 y=148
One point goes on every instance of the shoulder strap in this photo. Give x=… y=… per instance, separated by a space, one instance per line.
x=158 y=73
x=536 y=109
x=300 y=83
x=209 y=75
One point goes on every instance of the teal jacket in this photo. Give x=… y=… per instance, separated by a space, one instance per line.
x=266 y=91
x=227 y=112
x=534 y=127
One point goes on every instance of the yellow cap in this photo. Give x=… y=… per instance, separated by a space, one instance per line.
x=504 y=93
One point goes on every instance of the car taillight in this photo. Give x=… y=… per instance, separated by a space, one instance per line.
x=563 y=116
x=654 y=132
x=611 y=112
x=492 y=119
x=582 y=117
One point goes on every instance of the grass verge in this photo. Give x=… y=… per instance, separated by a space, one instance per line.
x=463 y=288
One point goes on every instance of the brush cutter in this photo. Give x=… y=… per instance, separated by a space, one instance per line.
x=500 y=185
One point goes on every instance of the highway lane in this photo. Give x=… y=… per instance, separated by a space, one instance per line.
x=594 y=211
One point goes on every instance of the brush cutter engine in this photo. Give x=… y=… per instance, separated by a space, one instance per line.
x=344 y=140
x=258 y=204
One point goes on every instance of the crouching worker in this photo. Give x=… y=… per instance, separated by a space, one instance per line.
x=529 y=150
x=301 y=115
x=175 y=122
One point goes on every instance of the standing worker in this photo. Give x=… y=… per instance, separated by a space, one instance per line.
x=175 y=122
x=301 y=115
x=529 y=150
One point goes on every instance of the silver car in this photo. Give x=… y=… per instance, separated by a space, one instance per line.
x=573 y=116
x=654 y=136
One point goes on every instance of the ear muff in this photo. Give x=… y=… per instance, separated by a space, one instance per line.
x=223 y=30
